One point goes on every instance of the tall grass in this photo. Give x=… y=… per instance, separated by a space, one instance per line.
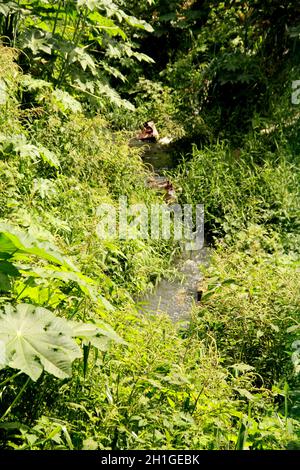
x=242 y=186
x=218 y=383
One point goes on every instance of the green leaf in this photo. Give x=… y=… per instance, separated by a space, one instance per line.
x=115 y=98
x=90 y=4
x=13 y=425
x=241 y=438
x=87 y=285
x=244 y=393
x=293 y=328
x=106 y=304
x=49 y=157
x=142 y=57
x=8 y=268
x=99 y=334
x=107 y=24
x=28 y=150
x=5 y=284
x=23 y=148
x=113 y=71
x=3 y=92
x=36 y=340
x=37 y=41
x=89 y=444
x=2 y=355
x=65 y=101
x=38 y=294
x=241 y=367
x=44 y=187
x=8 y=8
x=13 y=241
x=259 y=334
x=78 y=55
x=141 y=24
x=34 y=84
x=274 y=327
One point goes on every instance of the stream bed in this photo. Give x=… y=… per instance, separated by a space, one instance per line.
x=177 y=297
x=173 y=297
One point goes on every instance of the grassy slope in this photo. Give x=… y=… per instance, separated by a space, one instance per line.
x=170 y=387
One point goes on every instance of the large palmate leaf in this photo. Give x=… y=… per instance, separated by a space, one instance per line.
x=79 y=56
x=8 y=8
x=27 y=150
x=90 y=4
x=65 y=101
x=24 y=148
x=16 y=245
x=114 y=97
x=45 y=188
x=37 y=41
x=36 y=340
x=34 y=84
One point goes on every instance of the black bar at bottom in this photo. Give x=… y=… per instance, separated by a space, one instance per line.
x=135 y=459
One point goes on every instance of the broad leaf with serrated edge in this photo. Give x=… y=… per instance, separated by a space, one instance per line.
x=36 y=340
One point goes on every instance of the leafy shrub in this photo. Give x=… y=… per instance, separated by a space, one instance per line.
x=251 y=305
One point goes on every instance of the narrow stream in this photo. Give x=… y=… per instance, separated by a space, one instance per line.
x=175 y=297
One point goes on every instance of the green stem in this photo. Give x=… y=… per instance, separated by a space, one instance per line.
x=10 y=378
x=15 y=27
x=16 y=399
x=56 y=18
x=197 y=399
x=65 y=25
x=26 y=284
x=62 y=36
x=286 y=403
x=76 y=29
x=76 y=39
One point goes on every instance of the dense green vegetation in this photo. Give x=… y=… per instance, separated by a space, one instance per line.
x=81 y=366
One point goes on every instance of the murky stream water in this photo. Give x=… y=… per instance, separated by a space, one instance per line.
x=174 y=297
